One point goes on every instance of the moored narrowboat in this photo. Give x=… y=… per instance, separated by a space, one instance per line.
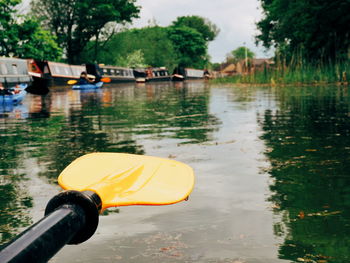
x=181 y=73
x=13 y=71
x=157 y=74
x=54 y=73
x=116 y=74
x=140 y=75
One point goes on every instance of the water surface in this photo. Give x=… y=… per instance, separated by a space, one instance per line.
x=271 y=165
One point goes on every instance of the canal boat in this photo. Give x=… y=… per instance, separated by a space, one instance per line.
x=115 y=74
x=157 y=74
x=54 y=73
x=13 y=95
x=88 y=86
x=181 y=74
x=13 y=71
x=140 y=75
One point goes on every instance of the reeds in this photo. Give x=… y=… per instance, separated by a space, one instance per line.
x=297 y=72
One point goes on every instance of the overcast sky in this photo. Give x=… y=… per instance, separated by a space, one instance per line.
x=235 y=18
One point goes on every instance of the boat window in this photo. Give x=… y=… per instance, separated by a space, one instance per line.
x=3 y=69
x=105 y=70
x=14 y=69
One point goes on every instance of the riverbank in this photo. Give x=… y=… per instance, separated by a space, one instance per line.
x=300 y=76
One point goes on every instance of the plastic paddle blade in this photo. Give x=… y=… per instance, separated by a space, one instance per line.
x=106 y=80
x=127 y=179
x=72 y=82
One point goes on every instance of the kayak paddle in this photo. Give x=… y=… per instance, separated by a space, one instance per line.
x=106 y=80
x=93 y=183
x=73 y=81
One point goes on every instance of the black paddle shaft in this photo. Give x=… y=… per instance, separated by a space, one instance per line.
x=71 y=217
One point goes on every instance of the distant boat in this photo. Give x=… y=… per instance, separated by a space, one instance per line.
x=157 y=74
x=180 y=74
x=54 y=73
x=151 y=74
x=140 y=75
x=116 y=74
x=88 y=86
x=13 y=71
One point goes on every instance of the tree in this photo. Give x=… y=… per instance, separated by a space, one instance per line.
x=153 y=42
x=241 y=53
x=313 y=30
x=8 y=26
x=34 y=42
x=190 y=45
x=203 y=25
x=26 y=39
x=76 y=22
x=135 y=59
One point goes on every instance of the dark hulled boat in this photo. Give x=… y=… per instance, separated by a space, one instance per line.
x=157 y=74
x=116 y=74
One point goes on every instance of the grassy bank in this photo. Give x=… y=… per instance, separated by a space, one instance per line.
x=300 y=75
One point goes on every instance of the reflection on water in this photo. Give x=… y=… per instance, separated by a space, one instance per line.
x=308 y=140
x=66 y=124
x=228 y=134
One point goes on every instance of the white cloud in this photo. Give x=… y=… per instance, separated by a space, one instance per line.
x=235 y=18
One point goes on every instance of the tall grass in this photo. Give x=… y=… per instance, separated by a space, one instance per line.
x=298 y=73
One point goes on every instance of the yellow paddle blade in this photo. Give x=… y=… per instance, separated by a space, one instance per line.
x=72 y=82
x=128 y=179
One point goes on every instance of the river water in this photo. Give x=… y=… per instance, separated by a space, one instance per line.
x=271 y=166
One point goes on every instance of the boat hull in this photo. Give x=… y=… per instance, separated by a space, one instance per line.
x=88 y=86
x=14 y=98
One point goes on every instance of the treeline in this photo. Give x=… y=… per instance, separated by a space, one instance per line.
x=85 y=31
x=184 y=43
x=314 y=31
x=311 y=41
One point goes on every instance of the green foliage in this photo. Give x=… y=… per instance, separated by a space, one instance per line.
x=305 y=74
x=241 y=53
x=36 y=42
x=185 y=43
x=8 y=27
x=208 y=30
x=135 y=59
x=190 y=45
x=26 y=39
x=76 y=22
x=316 y=30
x=153 y=42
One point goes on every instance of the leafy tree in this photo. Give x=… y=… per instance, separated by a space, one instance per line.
x=134 y=59
x=76 y=22
x=8 y=31
x=190 y=45
x=241 y=53
x=310 y=29
x=26 y=39
x=153 y=42
x=34 y=42
x=203 y=25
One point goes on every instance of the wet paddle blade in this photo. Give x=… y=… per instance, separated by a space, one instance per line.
x=72 y=82
x=127 y=179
